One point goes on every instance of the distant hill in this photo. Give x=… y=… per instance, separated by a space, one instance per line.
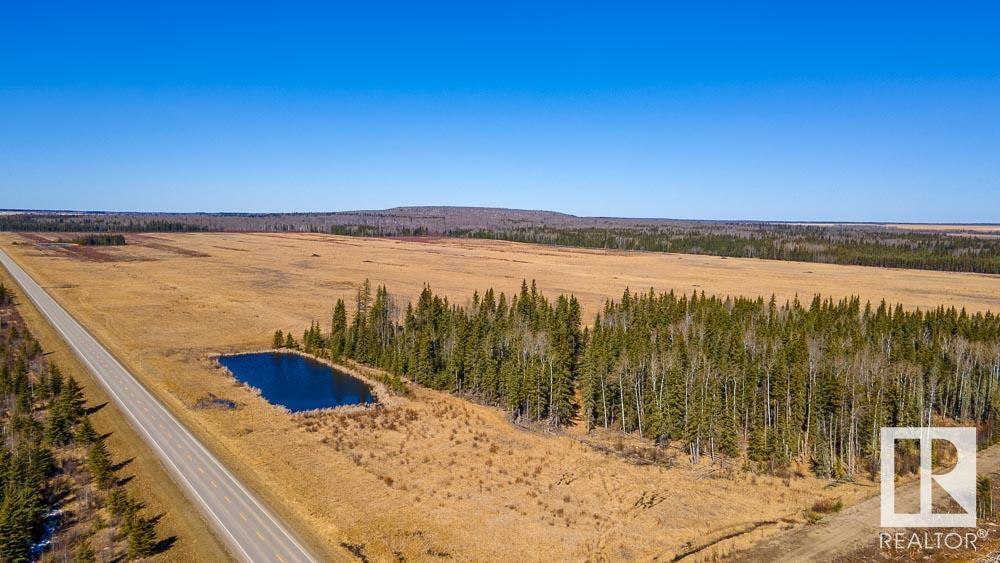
x=435 y=220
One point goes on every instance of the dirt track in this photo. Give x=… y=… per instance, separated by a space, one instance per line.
x=856 y=527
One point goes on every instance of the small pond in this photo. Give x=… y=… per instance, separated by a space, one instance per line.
x=296 y=382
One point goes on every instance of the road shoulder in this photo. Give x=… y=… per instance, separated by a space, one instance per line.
x=153 y=486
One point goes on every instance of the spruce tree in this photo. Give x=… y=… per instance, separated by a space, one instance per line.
x=85 y=434
x=99 y=464
x=338 y=329
x=57 y=426
x=71 y=400
x=84 y=553
x=141 y=538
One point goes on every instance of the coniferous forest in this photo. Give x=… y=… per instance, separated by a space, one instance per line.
x=765 y=382
x=59 y=489
x=100 y=240
x=91 y=223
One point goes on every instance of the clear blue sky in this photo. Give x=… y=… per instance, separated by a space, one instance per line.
x=844 y=111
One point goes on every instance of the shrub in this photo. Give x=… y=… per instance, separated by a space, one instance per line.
x=827 y=506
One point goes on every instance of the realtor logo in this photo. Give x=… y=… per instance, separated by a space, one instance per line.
x=960 y=482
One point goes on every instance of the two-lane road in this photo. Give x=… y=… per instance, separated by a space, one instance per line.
x=239 y=518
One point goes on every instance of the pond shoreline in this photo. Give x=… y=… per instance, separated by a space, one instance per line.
x=382 y=397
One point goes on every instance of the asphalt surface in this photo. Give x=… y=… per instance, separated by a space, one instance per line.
x=250 y=530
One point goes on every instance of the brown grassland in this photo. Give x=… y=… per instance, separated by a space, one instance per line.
x=959 y=228
x=433 y=475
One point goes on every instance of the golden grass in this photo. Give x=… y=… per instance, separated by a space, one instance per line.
x=957 y=228
x=434 y=475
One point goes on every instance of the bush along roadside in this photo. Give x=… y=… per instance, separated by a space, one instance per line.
x=62 y=497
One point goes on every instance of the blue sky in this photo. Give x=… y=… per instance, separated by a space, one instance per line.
x=800 y=110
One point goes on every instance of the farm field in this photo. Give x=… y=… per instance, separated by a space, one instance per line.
x=433 y=475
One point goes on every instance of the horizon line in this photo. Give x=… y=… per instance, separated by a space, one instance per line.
x=805 y=222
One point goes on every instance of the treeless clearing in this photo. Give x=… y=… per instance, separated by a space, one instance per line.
x=958 y=228
x=435 y=475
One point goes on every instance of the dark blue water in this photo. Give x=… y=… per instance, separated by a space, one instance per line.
x=296 y=382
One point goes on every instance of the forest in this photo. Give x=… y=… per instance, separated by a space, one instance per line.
x=91 y=223
x=60 y=494
x=833 y=245
x=99 y=240
x=763 y=382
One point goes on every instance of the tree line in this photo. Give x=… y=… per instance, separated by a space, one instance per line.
x=49 y=449
x=99 y=240
x=858 y=246
x=765 y=382
x=90 y=223
x=852 y=244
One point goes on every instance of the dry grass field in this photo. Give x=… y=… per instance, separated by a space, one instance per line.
x=948 y=228
x=434 y=476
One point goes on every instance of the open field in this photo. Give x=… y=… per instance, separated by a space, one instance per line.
x=434 y=475
x=956 y=228
x=301 y=275
x=941 y=247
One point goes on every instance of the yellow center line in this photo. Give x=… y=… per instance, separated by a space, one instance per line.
x=227 y=498
x=280 y=560
x=243 y=516
x=200 y=470
x=214 y=484
x=189 y=457
x=260 y=537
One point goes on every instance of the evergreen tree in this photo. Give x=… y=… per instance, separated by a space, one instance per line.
x=99 y=464
x=141 y=538
x=57 y=426
x=18 y=514
x=85 y=434
x=55 y=380
x=84 y=553
x=338 y=330
x=71 y=400
x=123 y=506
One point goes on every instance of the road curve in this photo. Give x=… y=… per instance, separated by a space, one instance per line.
x=239 y=518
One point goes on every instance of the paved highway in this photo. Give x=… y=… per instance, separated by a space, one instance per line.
x=239 y=518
